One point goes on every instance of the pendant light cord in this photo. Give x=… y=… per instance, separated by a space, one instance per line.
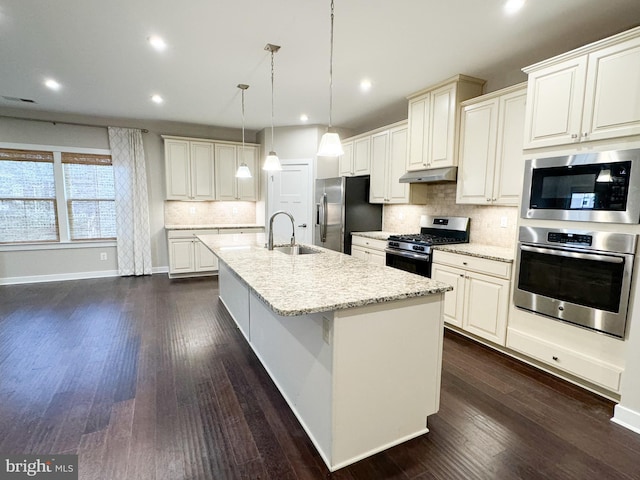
x=243 y=123
x=272 y=74
x=331 y=69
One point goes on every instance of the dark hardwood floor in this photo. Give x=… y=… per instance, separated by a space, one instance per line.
x=148 y=378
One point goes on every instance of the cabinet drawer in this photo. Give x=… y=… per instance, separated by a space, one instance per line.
x=467 y=262
x=190 y=233
x=589 y=368
x=369 y=242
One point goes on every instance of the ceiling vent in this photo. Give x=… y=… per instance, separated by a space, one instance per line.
x=16 y=99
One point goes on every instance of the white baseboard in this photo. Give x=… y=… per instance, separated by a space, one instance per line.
x=627 y=418
x=164 y=269
x=58 y=277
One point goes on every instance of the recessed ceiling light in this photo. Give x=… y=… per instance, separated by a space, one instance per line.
x=365 y=85
x=304 y=117
x=157 y=99
x=157 y=43
x=52 y=84
x=512 y=6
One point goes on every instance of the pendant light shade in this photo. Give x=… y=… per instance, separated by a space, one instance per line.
x=243 y=170
x=330 y=145
x=272 y=161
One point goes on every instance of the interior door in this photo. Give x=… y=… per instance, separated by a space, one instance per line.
x=289 y=190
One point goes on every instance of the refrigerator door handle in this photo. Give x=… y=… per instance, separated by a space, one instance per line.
x=323 y=221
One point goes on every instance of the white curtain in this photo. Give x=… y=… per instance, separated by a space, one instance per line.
x=132 y=201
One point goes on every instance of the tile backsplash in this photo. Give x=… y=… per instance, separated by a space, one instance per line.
x=441 y=200
x=206 y=213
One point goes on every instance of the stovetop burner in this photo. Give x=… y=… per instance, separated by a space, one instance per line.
x=425 y=238
x=433 y=231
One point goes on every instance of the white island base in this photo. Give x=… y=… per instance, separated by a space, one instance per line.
x=359 y=380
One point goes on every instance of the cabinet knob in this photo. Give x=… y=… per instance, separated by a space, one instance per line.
x=464 y=263
x=574 y=135
x=494 y=199
x=585 y=134
x=488 y=199
x=555 y=358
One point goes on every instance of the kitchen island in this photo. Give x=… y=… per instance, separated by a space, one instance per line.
x=355 y=349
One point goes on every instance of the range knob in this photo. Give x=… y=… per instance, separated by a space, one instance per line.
x=418 y=248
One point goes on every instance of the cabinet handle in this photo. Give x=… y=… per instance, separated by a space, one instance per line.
x=555 y=358
x=464 y=263
x=461 y=275
x=494 y=199
x=574 y=135
x=585 y=134
x=488 y=199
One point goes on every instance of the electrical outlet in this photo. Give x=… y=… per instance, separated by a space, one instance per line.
x=234 y=211
x=326 y=330
x=503 y=222
x=401 y=216
x=192 y=210
x=103 y=255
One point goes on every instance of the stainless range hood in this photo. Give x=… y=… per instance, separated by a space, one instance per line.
x=433 y=175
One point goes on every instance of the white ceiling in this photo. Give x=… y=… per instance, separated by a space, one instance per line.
x=98 y=51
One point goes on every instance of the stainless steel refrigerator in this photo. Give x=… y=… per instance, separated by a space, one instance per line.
x=342 y=207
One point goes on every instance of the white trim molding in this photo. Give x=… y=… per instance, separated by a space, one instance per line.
x=58 y=277
x=626 y=418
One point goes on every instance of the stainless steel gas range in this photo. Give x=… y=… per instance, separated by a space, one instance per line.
x=412 y=252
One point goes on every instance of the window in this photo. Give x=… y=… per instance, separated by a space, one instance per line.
x=53 y=196
x=89 y=189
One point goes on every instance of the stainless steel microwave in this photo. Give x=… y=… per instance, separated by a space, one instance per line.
x=586 y=187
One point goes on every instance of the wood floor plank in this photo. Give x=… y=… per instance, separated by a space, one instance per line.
x=149 y=378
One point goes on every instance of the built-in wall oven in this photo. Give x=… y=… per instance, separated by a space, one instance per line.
x=575 y=276
x=585 y=187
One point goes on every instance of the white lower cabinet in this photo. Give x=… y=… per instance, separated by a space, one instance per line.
x=188 y=257
x=369 y=249
x=479 y=302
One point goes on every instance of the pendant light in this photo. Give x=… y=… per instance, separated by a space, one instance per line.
x=243 y=169
x=272 y=162
x=330 y=145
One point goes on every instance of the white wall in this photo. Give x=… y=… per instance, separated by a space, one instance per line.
x=85 y=261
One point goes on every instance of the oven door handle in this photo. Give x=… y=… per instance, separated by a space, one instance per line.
x=415 y=256
x=564 y=253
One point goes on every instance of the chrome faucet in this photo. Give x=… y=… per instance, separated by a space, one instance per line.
x=293 y=228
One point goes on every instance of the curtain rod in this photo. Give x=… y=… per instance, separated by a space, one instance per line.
x=143 y=130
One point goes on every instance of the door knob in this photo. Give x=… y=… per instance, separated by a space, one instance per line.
x=304 y=225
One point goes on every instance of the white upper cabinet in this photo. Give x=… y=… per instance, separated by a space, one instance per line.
x=433 y=121
x=587 y=94
x=189 y=170
x=228 y=158
x=388 y=163
x=345 y=162
x=199 y=169
x=491 y=138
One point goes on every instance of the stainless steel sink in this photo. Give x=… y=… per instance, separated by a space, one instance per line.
x=296 y=250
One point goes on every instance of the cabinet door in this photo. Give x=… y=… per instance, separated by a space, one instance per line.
x=181 y=256
x=204 y=259
x=397 y=192
x=486 y=307
x=202 y=171
x=419 y=109
x=442 y=128
x=509 y=169
x=377 y=258
x=554 y=104
x=379 y=165
x=177 y=170
x=454 y=300
x=247 y=188
x=477 y=152
x=359 y=252
x=226 y=187
x=612 y=106
x=346 y=160
x=362 y=156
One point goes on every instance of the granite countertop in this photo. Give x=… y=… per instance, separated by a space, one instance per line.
x=213 y=225
x=377 y=235
x=490 y=252
x=299 y=284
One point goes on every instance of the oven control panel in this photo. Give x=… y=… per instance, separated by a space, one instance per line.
x=570 y=238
